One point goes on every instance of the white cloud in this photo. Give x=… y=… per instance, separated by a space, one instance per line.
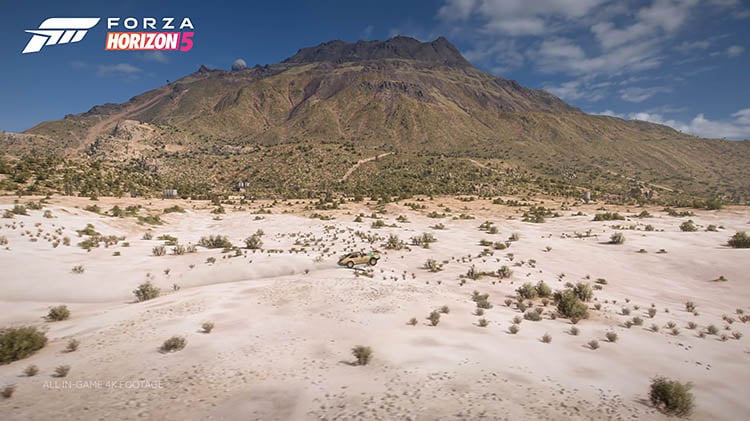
x=457 y=9
x=737 y=127
x=122 y=69
x=157 y=56
x=691 y=47
x=735 y=50
x=516 y=17
x=637 y=94
x=581 y=89
x=564 y=56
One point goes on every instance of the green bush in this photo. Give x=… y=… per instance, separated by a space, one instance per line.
x=688 y=226
x=173 y=209
x=608 y=216
x=159 y=251
x=570 y=305
x=671 y=396
x=363 y=354
x=504 y=272
x=583 y=291
x=527 y=291
x=739 y=240
x=58 y=313
x=146 y=291
x=533 y=316
x=20 y=342
x=543 y=290
x=215 y=242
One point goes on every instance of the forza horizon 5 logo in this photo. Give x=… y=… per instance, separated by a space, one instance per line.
x=129 y=33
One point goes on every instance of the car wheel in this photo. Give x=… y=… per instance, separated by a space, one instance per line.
x=350 y=264
x=373 y=261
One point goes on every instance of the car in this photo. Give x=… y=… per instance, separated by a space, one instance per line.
x=359 y=258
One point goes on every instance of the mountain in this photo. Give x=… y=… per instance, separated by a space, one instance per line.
x=317 y=120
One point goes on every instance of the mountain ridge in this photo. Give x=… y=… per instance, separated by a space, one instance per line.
x=309 y=118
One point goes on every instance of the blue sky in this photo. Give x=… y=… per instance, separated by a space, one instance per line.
x=685 y=63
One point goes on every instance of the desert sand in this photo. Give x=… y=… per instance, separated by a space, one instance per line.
x=286 y=321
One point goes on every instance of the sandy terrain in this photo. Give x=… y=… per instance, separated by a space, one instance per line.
x=285 y=322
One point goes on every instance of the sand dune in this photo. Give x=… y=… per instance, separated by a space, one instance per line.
x=286 y=320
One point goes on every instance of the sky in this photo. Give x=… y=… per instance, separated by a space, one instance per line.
x=683 y=63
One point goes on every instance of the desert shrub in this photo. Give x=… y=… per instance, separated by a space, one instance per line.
x=72 y=345
x=207 y=327
x=413 y=321
x=146 y=291
x=611 y=336
x=31 y=370
x=617 y=238
x=574 y=331
x=433 y=266
x=58 y=313
x=712 y=330
x=473 y=273
x=692 y=325
x=147 y=236
x=215 y=242
x=739 y=240
x=737 y=335
x=62 y=370
x=547 y=338
x=423 y=240
x=637 y=321
x=363 y=354
x=254 y=242
x=651 y=312
x=173 y=209
x=393 y=243
x=625 y=311
x=570 y=305
x=514 y=328
x=78 y=269
x=19 y=210
x=688 y=226
x=583 y=291
x=521 y=306
x=445 y=309
x=543 y=290
x=20 y=342
x=671 y=397
x=159 y=251
x=532 y=316
x=483 y=322
x=7 y=391
x=593 y=344
x=608 y=216
x=179 y=250
x=434 y=318
x=527 y=291
x=690 y=306
x=175 y=343
x=712 y=228
x=504 y=272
